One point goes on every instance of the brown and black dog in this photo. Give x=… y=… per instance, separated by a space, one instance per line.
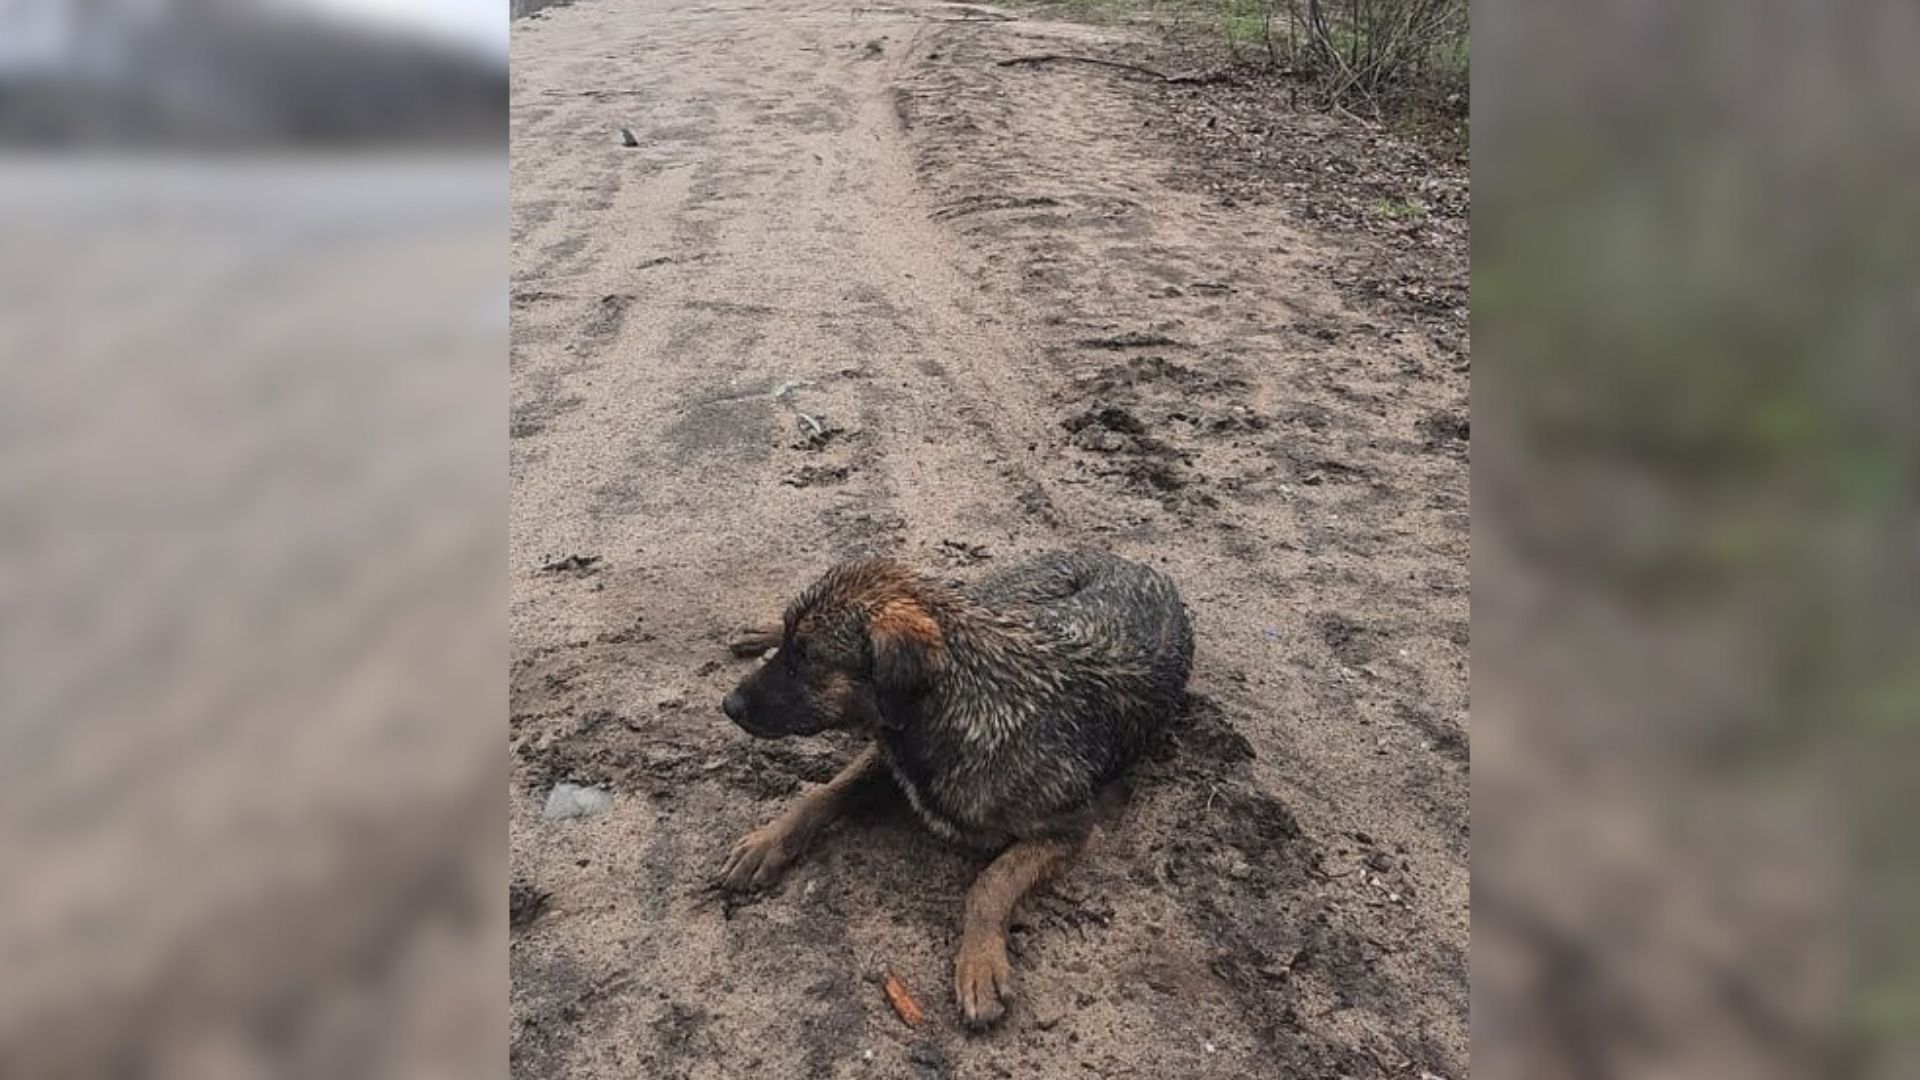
x=1002 y=712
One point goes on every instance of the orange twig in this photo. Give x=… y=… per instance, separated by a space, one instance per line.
x=902 y=1002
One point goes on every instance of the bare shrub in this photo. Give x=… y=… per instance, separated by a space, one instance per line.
x=1370 y=50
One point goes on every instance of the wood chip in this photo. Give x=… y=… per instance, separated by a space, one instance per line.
x=902 y=1001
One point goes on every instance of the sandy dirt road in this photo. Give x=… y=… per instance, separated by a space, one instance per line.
x=860 y=288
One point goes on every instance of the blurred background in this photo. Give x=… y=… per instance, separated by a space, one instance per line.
x=253 y=312
x=1696 y=292
x=173 y=73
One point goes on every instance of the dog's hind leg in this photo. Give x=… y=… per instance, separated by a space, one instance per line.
x=764 y=854
x=982 y=978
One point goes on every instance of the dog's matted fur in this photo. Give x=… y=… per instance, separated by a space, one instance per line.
x=1000 y=710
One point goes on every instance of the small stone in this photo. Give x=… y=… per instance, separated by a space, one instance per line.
x=573 y=801
x=929 y=1061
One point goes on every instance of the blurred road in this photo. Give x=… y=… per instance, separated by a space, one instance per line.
x=245 y=668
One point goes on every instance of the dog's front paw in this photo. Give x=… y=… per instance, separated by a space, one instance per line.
x=983 y=980
x=757 y=860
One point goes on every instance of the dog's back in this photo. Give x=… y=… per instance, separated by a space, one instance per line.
x=1067 y=668
x=1124 y=615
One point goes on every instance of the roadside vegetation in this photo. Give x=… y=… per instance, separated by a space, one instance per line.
x=1402 y=61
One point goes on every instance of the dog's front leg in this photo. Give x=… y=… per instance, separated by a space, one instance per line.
x=764 y=854
x=982 y=978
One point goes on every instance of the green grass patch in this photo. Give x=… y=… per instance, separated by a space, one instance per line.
x=1394 y=208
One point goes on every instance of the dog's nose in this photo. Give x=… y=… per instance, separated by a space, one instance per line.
x=735 y=706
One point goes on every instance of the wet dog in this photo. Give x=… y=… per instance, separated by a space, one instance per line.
x=1002 y=712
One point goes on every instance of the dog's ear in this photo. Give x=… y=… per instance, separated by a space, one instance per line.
x=907 y=648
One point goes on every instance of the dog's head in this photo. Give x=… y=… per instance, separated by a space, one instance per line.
x=857 y=647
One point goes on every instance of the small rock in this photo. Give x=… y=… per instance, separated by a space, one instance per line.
x=929 y=1062
x=573 y=801
x=1047 y=1016
x=627 y=139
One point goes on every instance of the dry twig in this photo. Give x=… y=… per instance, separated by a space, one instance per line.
x=902 y=1001
x=1067 y=58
